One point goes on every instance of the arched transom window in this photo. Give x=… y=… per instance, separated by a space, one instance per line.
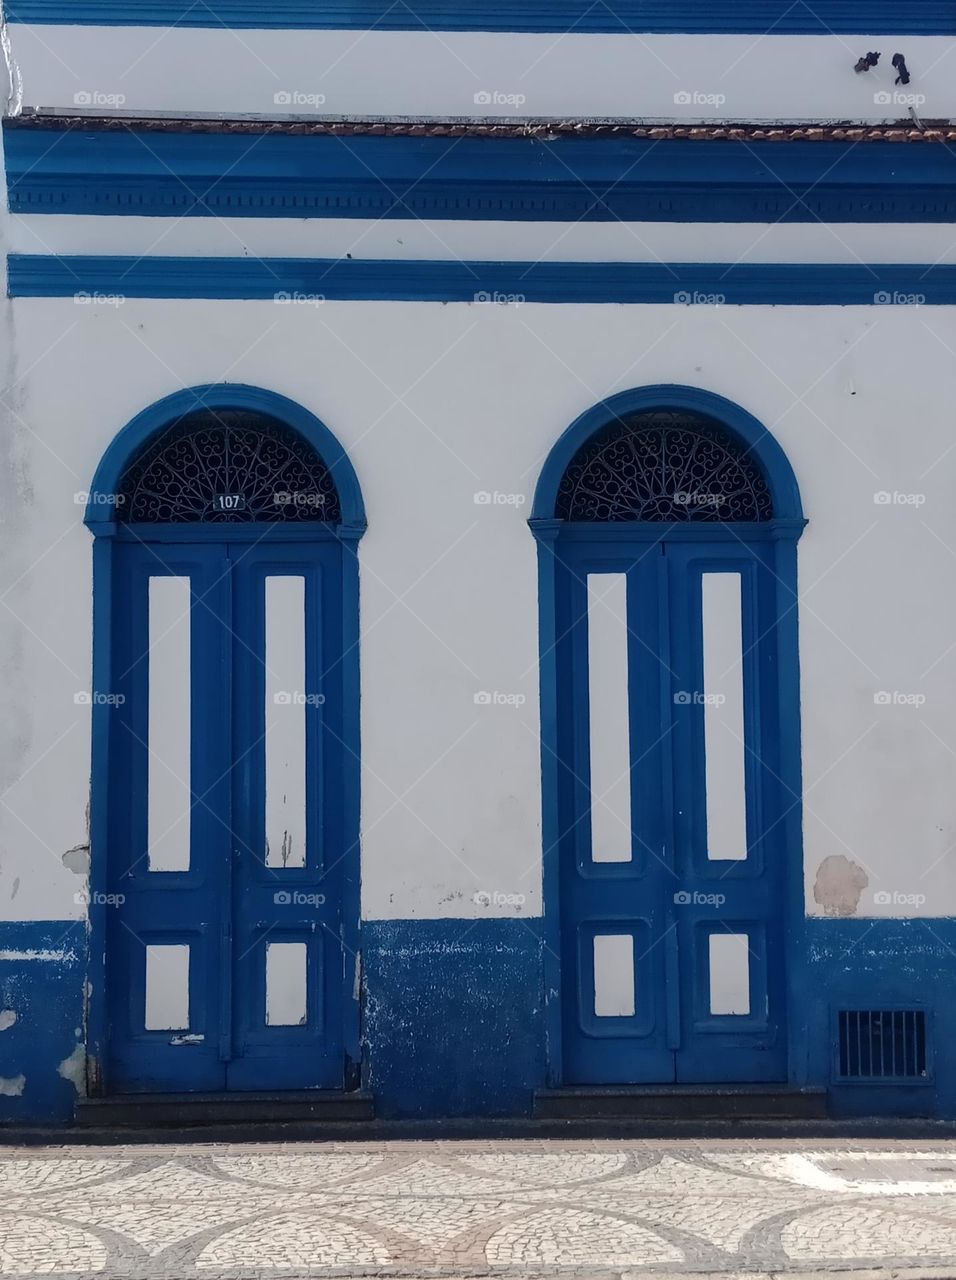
x=227 y=466
x=662 y=465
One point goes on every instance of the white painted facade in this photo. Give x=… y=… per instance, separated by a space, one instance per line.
x=435 y=404
x=478 y=74
x=448 y=412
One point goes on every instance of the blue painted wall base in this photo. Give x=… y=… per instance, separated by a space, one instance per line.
x=874 y=964
x=453 y=1019
x=42 y=968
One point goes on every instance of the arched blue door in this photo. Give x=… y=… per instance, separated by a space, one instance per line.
x=675 y=779
x=227 y=849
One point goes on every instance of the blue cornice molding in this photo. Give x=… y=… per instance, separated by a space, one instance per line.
x=292 y=282
x=755 y=17
x=271 y=174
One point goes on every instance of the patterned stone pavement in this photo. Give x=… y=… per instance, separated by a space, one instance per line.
x=512 y=1209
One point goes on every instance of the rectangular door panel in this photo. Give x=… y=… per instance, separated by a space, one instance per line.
x=288 y=854
x=616 y=873
x=169 y=836
x=730 y=866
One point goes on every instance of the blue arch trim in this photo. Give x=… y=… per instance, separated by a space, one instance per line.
x=225 y=395
x=758 y=441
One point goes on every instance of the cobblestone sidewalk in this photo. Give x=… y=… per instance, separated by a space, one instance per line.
x=510 y=1209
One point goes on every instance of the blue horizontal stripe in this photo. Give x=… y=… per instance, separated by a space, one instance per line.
x=275 y=174
x=310 y=281
x=789 y=17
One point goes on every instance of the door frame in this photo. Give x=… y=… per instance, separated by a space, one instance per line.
x=783 y=532
x=106 y=530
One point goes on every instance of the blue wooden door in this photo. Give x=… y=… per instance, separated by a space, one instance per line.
x=225 y=859
x=673 y=864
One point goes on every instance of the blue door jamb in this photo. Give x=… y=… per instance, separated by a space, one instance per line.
x=784 y=533
x=99 y=518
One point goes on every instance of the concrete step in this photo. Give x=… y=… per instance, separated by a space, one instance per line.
x=681 y=1102
x=191 y=1110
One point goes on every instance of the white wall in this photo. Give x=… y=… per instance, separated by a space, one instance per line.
x=308 y=73
x=416 y=239
x=435 y=403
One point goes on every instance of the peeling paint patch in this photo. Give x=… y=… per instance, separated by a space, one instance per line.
x=73 y=1069
x=39 y=954
x=839 y=885
x=12 y=1086
x=7 y=1018
x=77 y=859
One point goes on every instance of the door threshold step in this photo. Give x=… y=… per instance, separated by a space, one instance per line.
x=187 y=1110
x=680 y=1102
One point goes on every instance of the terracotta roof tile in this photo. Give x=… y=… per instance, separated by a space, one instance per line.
x=544 y=130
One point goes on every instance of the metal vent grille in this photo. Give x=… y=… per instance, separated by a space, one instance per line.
x=882 y=1044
